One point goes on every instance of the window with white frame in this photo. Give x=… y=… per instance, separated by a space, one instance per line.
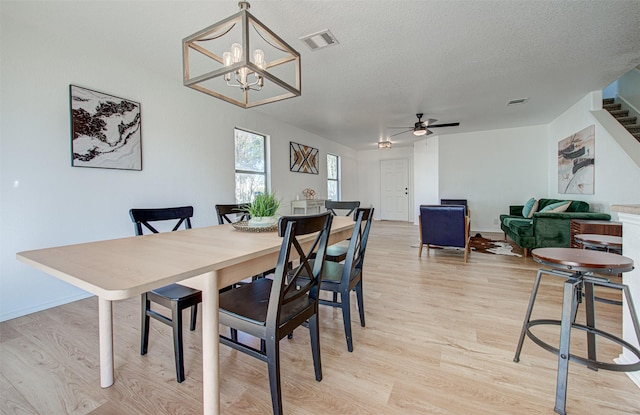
x=333 y=177
x=251 y=165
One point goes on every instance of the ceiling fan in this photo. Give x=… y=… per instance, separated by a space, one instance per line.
x=420 y=128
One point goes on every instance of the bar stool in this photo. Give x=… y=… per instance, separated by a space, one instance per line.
x=577 y=266
x=607 y=243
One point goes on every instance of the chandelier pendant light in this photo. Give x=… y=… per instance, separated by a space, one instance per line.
x=228 y=60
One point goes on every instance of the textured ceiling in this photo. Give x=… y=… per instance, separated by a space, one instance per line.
x=453 y=60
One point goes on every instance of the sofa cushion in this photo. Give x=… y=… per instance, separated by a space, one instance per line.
x=575 y=206
x=520 y=226
x=530 y=207
x=556 y=207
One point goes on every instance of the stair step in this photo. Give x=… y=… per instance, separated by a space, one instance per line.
x=626 y=120
x=637 y=136
x=633 y=128
x=612 y=107
x=606 y=101
x=619 y=113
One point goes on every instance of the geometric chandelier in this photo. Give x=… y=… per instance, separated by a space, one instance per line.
x=241 y=61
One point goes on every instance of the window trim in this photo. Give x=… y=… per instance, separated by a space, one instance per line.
x=267 y=165
x=338 y=174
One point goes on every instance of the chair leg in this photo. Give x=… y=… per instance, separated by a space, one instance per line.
x=273 y=362
x=144 y=329
x=420 y=251
x=346 y=318
x=314 y=331
x=176 y=317
x=194 y=316
x=360 y=298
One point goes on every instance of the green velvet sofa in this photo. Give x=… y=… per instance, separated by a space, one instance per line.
x=545 y=229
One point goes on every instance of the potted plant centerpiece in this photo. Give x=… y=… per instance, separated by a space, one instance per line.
x=263 y=210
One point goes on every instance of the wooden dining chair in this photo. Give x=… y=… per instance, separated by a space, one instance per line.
x=342 y=278
x=338 y=251
x=270 y=309
x=175 y=297
x=225 y=212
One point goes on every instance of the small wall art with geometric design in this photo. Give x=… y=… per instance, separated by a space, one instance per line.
x=303 y=159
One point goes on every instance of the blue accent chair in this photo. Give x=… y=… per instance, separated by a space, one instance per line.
x=444 y=226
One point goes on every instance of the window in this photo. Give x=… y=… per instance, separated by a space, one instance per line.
x=333 y=177
x=251 y=165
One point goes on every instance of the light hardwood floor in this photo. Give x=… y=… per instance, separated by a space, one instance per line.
x=440 y=339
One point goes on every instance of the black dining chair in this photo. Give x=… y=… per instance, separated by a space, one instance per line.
x=338 y=251
x=225 y=212
x=270 y=309
x=349 y=206
x=175 y=297
x=343 y=277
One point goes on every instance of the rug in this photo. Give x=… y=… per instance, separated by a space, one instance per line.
x=487 y=246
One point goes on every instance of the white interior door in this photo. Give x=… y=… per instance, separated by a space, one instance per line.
x=394 y=192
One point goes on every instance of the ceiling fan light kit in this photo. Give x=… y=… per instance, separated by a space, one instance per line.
x=254 y=66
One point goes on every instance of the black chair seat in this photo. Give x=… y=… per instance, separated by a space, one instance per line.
x=338 y=251
x=250 y=302
x=175 y=292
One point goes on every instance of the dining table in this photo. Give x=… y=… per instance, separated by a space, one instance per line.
x=206 y=258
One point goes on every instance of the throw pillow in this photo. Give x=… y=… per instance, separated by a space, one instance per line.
x=530 y=207
x=556 y=207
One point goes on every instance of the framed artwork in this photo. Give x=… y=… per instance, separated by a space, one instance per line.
x=576 y=162
x=105 y=130
x=303 y=159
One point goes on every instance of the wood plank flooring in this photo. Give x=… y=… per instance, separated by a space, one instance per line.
x=440 y=338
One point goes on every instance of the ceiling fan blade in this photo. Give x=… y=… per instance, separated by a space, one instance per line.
x=398 y=127
x=452 y=124
x=429 y=132
x=401 y=132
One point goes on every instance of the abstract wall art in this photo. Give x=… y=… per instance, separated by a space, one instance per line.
x=303 y=159
x=105 y=130
x=576 y=162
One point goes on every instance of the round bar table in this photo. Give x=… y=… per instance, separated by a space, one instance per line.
x=609 y=243
x=577 y=266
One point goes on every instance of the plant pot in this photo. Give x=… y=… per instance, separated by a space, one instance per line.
x=263 y=221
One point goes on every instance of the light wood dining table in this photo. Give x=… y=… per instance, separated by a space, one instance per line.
x=206 y=258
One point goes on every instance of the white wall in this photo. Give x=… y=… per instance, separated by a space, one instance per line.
x=187 y=145
x=616 y=175
x=369 y=175
x=426 y=174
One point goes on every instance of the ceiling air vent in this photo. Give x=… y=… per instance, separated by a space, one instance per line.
x=320 y=40
x=517 y=101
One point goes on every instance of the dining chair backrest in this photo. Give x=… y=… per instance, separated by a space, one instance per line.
x=349 y=206
x=224 y=211
x=144 y=217
x=358 y=242
x=286 y=286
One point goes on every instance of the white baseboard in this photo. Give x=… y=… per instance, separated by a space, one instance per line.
x=39 y=307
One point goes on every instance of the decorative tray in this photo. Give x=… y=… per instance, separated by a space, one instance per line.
x=243 y=225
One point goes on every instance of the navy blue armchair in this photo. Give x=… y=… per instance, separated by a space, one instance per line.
x=444 y=226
